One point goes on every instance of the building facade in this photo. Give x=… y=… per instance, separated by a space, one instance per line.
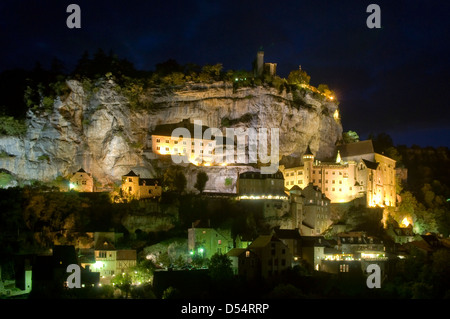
x=82 y=181
x=357 y=172
x=133 y=186
x=195 y=148
x=208 y=241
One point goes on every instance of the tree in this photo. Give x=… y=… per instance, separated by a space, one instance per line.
x=202 y=178
x=298 y=77
x=220 y=269
x=174 y=179
x=180 y=182
x=350 y=137
x=381 y=142
x=123 y=282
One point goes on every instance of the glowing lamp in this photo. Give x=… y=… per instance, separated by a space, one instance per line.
x=98 y=264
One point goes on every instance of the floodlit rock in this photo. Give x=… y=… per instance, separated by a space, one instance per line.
x=98 y=130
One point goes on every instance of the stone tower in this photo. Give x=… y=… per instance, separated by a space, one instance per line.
x=259 y=63
x=308 y=159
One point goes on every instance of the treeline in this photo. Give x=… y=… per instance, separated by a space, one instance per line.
x=37 y=89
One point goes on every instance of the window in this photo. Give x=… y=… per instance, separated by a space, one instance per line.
x=167 y=141
x=158 y=140
x=130 y=188
x=83 y=182
x=292 y=182
x=175 y=142
x=333 y=181
x=247 y=253
x=300 y=181
x=340 y=182
x=349 y=188
x=167 y=149
x=343 y=268
x=158 y=148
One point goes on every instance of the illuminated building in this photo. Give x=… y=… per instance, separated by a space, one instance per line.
x=254 y=185
x=81 y=181
x=265 y=257
x=110 y=261
x=357 y=172
x=316 y=211
x=195 y=148
x=208 y=241
x=133 y=186
x=263 y=192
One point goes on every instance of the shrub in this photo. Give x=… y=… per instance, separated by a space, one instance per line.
x=11 y=127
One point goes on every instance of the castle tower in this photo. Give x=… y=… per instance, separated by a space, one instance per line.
x=308 y=159
x=130 y=184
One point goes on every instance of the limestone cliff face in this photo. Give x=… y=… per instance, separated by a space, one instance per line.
x=98 y=131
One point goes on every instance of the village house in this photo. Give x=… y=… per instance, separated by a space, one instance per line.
x=133 y=186
x=265 y=257
x=81 y=181
x=208 y=241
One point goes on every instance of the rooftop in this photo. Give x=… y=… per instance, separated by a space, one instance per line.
x=357 y=148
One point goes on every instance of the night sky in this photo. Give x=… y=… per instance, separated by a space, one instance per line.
x=393 y=80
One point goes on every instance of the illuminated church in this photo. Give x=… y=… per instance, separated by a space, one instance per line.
x=357 y=173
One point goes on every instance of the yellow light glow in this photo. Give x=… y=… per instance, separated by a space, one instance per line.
x=405 y=222
x=336 y=115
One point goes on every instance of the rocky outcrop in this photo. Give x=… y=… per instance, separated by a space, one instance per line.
x=98 y=131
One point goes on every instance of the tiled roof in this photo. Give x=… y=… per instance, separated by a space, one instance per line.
x=357 y=148
x=131 y=173
x=287 y=233
x=167 y=129
x=126 y=254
